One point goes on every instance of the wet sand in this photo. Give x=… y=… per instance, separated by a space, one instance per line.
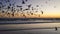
x=39 y=28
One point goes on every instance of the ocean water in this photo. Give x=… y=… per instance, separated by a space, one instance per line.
x=28 y=21
x=30 y=27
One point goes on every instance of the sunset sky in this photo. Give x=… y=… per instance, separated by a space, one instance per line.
x=50 y=8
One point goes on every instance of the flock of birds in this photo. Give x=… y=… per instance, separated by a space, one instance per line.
x=13 y=9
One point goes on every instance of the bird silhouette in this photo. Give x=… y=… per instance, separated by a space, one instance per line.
x=3 y=11
x=29 y=6
x=12 y=14
x=25 y=9
x=1 y=3
x=24 y=15
x=23 y=2
x=41 y=11
x=10 y=4
x=37 y=6
x=19 y=6
x=8 y=13
x=8 y=7
x=31 y=13
x=56 y=29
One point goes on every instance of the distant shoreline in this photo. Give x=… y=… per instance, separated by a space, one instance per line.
x=13 y=19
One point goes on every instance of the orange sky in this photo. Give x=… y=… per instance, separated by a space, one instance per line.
x=45 y=15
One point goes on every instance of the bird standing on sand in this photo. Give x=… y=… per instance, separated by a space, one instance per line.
x=56 y=29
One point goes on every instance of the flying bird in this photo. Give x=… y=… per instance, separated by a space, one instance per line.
x=24 y=15
x=31 y=13
x=21 y=9
x=12 y=14
x=29 y=6
x=8 y=7
x=41 y=11
x=23 y=2
x=2 y=11
x=37 y=6
x=19 y=6
x=9 y=4
x=25 y=9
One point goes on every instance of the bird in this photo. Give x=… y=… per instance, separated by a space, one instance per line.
x=56 y=29
x=8 y=7
x=21 y=9
x=24 y=15
x=41 y=11
x=8 y=13
x=13 y=14
x=3 y=11
x=31 y=13
x=37 y=6
x=19 y=6
x=23 y=2
x=29 y=5
x=10 y=4
x=25 y=9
